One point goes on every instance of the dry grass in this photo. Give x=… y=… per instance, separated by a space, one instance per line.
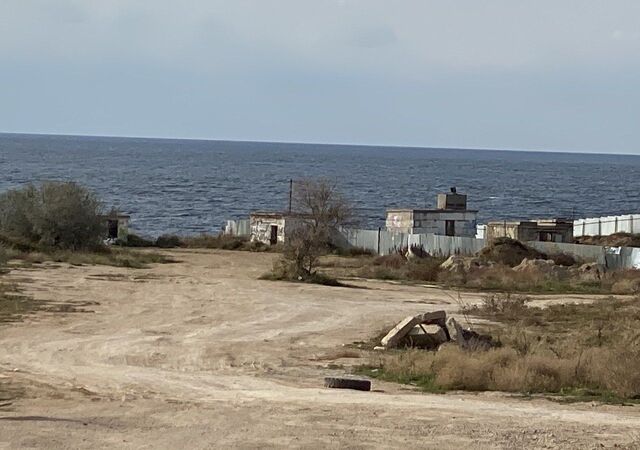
x=575 y=350
x=613 y=240
x=107 y=257
x=496 y=278
x=504 y=279
x=397 y=267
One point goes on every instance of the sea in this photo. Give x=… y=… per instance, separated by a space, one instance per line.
x=193 y=186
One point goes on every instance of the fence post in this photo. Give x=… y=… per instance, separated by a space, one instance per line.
x=599 y=226
x=378 y=246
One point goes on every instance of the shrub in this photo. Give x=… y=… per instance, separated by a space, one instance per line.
x=392 y=261
x=60 y=215
x=352 y=251
x=223 y=242
x=169 y=241
x=133 y=240
x=563 y=259
x=286 y=270
x=424 y=269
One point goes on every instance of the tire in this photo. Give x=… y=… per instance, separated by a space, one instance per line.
x=347 y=383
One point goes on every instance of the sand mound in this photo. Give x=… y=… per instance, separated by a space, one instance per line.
x=509 y=252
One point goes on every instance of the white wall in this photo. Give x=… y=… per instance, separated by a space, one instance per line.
x=605 y=226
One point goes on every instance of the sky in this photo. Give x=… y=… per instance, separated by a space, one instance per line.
x=503 y=74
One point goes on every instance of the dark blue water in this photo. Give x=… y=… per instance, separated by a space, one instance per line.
x=186 y=186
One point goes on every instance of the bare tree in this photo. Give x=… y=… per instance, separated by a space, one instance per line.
x=319 y=209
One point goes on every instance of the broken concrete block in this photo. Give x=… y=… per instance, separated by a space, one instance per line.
x=468 y=339
x=400 y=331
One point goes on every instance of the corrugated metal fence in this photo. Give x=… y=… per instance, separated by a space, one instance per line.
x=384 y=242
x=237 y=227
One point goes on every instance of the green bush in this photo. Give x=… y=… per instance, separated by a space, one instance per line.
x=61 y=215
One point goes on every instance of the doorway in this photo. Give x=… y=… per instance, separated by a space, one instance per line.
x=273 y=239
x=112 y=229
x=450 y=227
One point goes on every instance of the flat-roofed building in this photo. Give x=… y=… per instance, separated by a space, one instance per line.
x=450 y=218
x=548 y=230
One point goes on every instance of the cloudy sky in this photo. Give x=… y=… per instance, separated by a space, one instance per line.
x=543 y=74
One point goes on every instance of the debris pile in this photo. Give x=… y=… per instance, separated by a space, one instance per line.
x=509 y=252
x=542 y=266
x=431 y=330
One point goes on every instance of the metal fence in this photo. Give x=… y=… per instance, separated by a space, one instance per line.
x=237 y=227
x=383 y=242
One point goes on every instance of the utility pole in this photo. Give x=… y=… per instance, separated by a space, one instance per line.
x=290 y=194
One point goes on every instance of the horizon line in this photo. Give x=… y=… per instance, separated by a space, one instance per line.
x=252 y=141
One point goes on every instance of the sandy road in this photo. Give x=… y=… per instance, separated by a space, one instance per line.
x=201 y=354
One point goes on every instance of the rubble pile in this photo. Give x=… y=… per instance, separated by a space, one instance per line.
x=431 y=330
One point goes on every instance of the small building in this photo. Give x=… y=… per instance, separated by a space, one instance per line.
x=450 y=218
x=117 y=226
x=271 y=227
x=546 y=230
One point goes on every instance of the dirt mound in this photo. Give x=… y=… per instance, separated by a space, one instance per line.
x=509 y=252
x=542 y=267
x=614 y=240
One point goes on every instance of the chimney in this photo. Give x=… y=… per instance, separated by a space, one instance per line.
x=452 y=201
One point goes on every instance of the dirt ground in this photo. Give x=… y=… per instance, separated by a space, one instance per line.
x=201 y=354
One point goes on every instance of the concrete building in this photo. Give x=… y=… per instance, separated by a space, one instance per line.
x=117 y=226
x=271 y=227
x=450 y=218
x=548 y=230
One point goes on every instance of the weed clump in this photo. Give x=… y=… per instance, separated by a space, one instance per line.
x=168 y=241
x=396 y=266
